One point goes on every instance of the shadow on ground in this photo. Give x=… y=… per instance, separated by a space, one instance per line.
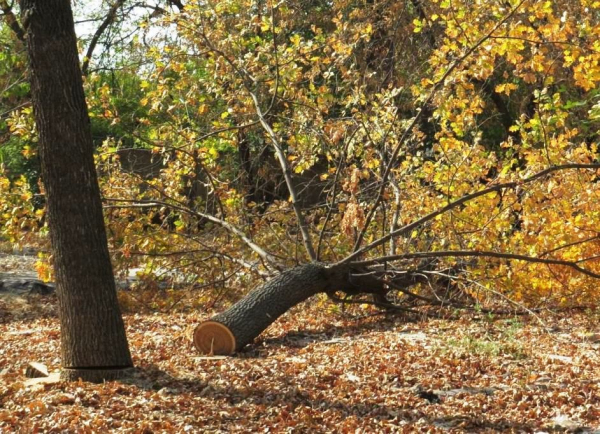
x=150 y=377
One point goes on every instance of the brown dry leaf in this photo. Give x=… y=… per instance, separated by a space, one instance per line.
x=317 y=371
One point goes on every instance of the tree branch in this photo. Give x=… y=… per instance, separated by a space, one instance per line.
x=224 y=224
x=478 y=254
x=409 y=227
x=11 y=20
x=177 y=3
x=246 y=79
x=108 y=20
x=306 y=238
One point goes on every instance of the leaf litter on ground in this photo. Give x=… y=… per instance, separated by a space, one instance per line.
x=316 y=370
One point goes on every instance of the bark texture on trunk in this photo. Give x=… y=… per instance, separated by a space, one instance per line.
x=231 y=330
x=93 y=342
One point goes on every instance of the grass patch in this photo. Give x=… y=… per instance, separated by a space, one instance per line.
x=499 y=340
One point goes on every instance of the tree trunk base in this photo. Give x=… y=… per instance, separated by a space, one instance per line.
x=91 y=375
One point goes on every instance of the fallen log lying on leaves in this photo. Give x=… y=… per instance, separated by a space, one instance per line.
x=231 y=330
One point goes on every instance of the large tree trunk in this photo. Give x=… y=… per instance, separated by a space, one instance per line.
x=231 y=330
x=93 y=342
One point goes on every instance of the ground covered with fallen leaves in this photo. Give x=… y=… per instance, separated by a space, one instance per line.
x=317 y=370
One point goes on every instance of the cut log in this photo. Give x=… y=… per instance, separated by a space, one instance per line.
x=212 y=338
x=231 y=330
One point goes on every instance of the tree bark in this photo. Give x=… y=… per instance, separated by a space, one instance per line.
x=93 y=342
x=231 y=330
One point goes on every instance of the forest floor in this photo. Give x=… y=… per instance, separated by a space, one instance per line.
x=316 y=370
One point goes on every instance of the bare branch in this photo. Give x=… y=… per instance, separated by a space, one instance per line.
x=246 y=79
x=306 y=238
x=476 y=254
x=567 y=245
x=334 y=193
x=519 y=306
x=108 y=20
x=131 y=203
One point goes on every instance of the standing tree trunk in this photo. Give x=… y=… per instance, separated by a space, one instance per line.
x=93 y=342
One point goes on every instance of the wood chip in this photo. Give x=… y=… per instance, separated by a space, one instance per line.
x=50 y=379
x=36 y=370
x=211 y=358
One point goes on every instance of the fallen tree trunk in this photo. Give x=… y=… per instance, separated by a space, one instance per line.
x=231 y=330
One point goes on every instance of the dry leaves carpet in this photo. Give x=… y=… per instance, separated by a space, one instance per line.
x=317 y=370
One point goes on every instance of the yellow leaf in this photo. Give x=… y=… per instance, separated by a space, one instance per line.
x=418 y=25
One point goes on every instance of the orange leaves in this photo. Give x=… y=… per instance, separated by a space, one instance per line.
x=37 y=407
x=528 y=56
x=354 y=218
x=587 y=71
x=19 y=220
x=323 y=371
x=43 y=267
x=341 y=93
x=506 y=88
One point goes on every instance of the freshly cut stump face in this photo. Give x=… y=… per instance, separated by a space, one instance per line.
x=214 y=338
